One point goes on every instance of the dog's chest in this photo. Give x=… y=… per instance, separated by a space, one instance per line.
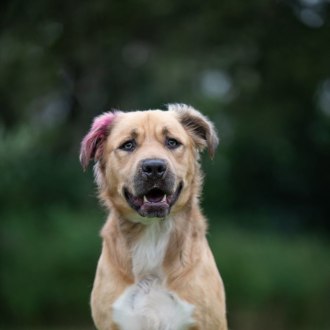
x=148 y=304
x=149 y=251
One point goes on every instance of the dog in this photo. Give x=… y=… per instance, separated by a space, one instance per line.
x=156 y=270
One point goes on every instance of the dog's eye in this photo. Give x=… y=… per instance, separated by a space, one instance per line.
x=128 y=145
x=172 y=143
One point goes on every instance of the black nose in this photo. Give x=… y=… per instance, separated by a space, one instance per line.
x=154 y=168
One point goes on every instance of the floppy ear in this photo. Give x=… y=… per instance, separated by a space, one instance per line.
x=93 y=143
x=198 y=126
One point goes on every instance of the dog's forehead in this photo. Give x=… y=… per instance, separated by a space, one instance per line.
x=147 y=122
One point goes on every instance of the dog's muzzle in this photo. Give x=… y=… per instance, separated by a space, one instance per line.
x=155 y=190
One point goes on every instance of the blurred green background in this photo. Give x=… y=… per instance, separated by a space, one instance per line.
x=259 y=69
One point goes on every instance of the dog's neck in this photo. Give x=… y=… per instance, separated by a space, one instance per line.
x=148 y=252
x=160 y=248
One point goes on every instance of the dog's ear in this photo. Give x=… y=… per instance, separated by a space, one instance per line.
x=198 y=126
x=93 y=143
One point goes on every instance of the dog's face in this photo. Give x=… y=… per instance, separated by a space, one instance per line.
x=147 y=161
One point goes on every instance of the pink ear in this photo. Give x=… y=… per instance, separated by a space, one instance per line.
x=92 y=144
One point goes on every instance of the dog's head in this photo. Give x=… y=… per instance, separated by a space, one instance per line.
x=147 y=161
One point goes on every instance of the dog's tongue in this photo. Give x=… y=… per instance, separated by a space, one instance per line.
x=155 y=196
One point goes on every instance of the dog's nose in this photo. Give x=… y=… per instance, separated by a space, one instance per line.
x=154 y=168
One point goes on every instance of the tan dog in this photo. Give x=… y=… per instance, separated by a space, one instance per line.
x=156 y=270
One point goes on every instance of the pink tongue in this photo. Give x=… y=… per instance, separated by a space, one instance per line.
x=155 y=196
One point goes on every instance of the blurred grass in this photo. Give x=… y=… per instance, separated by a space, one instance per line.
x=271 y=280
x=49 y=266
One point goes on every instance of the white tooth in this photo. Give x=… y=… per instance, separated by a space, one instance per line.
x=164 y=198
x=145 y=199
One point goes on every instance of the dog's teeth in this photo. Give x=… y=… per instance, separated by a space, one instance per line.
x=164 y=198
x=145 y=199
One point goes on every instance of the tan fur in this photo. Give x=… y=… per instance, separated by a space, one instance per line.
x=189 y=267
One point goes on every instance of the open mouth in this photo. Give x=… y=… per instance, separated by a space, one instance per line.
x=154 y=202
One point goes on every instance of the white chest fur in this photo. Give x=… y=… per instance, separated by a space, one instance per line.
x=148 y=304
x=149 y=252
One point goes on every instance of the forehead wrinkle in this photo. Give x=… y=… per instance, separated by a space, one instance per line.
x=156 y=127
x=149 y=127
x=165 y=131
x=134 y=133
x=168 y=132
